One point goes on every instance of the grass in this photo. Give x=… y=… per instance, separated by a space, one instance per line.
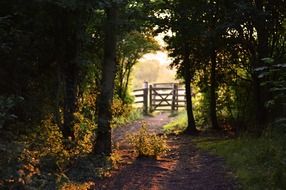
x=178 y=125
x=259 y=163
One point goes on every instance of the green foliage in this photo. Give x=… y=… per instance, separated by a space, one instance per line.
x=259 y=163
x=273 y=77
x=6 y=106
x=134 y=45
x=147 y=144
x=201 y=108
x=84 y=134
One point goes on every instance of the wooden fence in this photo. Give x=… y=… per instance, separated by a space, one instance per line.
x=160 y=97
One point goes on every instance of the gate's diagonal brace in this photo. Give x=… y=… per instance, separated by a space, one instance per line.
x=164 y=99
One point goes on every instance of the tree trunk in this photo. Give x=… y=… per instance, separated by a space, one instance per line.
x=69 y=50
x=125 y=88
x=213 y=113
x=70 y=100
x=103 y=136
x=57 y=97
x=120 y=71
x=262 y=52
x=191 y=128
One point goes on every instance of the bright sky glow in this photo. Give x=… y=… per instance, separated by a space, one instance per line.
x=160 y=56
x=154 y=67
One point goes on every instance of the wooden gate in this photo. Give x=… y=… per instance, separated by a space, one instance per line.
x=160 y=97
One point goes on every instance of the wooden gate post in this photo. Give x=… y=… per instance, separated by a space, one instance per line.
x=145 y=98
x=150 y=99
x=174 y=98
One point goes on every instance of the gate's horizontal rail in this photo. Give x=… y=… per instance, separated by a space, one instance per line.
x=180 y=106
x=162 y=94
x=163 y=105
x=163 y=109
x=160 y=100
x=156 y=88
x=158 y=84
x=140 y=89
x=170 y=102
x=139 y=95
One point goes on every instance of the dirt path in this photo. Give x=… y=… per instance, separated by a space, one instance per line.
x=184 y=167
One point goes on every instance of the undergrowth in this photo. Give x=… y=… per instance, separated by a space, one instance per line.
x=49 y=154
x=40 y=158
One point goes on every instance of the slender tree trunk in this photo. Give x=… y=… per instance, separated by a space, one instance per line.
x=191 y=128
x=70 y=100
x=125 y=88
x=213 y=112
x=258 y=101
x=262 y=51
x=259 y=97
x=57 y=99
x=69 y=50
x=121 y=79
x=103 y=136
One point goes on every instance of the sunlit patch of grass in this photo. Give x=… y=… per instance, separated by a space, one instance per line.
x=178 y=125
x=259 y=163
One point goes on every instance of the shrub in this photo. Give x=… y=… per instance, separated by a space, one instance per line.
x=147 y=144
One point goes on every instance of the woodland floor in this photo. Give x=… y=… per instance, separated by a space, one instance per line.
x=184 y=167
